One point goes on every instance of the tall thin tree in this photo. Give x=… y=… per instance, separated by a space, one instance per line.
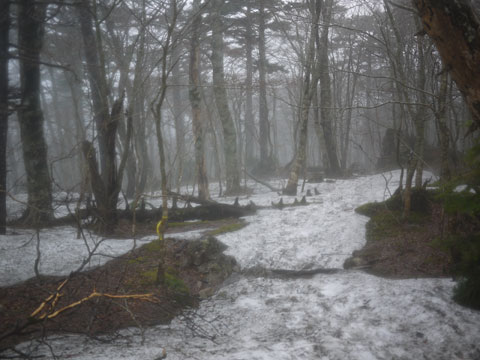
x=4 y=47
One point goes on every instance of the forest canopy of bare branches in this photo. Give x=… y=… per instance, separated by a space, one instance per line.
x=105 y=97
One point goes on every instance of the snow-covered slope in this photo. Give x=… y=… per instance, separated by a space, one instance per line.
x=347 y=315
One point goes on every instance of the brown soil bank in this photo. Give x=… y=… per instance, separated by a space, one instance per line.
x=126 y=287
x=404 y=249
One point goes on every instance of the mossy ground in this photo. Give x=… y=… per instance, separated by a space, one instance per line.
x=403 y=248
x=227 y=228
x=441 y=237
x=133 y=273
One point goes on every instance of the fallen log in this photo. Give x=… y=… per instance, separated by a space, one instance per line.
x=259 y=271
x=214 y=211
x=209 y=211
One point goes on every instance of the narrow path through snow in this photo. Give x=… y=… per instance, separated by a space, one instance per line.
x=348 y=315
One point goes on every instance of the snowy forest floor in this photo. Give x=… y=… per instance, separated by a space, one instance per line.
x=344 y=315
x=133 y=273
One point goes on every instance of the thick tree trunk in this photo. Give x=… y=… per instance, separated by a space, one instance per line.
x=96 y=78
x=221 y=101
x=106 y=181
x=4 y=47
x=106 y=192
x=326 y=102
x=30 y=39
x=455 y=29
x=198 y=122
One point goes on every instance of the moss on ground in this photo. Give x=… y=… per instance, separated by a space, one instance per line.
x=154 y=246
x=175 y=284
x=386 y=217
x=446 y=221
x=148 y=278
x=398 y=247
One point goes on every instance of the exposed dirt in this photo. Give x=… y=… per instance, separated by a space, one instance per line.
x=132 y=273
x=409 y=249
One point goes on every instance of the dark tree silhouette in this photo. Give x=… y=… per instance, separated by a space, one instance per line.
x=455 y=29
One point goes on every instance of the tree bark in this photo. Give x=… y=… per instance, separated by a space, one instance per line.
x=455 y=30
x=221 y=101
x=249 y=119
x=311 y=76
x=106 y=181
x=443 y=131
x=198 y=121
x=4 y=47
x=178 y=121
x=31 y=18
x=421 y=115
x=96 y=78
x=266 y=161
x=326 y=102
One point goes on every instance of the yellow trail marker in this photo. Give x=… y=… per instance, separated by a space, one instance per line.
x=161 y=227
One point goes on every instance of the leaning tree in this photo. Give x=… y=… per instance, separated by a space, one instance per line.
x=455 y=30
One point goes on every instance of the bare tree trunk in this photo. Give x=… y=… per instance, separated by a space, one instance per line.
x=106 y=181
x=443 y=131
x=416 y=159
x=179 y=122
x=420 y=118
x=143 y=157
x=350 y=95
x=323 y=159
x=221 y=101
x=96 y=77
x=30 y=39
x=416 y=116
x=326 y=102
x=249 y=120
x=198 y=121
x=455 y=30
x=266 y=162
x=309 y=84
x=4 y=47
x=157 y=111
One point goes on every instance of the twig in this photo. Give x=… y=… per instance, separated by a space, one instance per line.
x=39 y=254
x=94 y=294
